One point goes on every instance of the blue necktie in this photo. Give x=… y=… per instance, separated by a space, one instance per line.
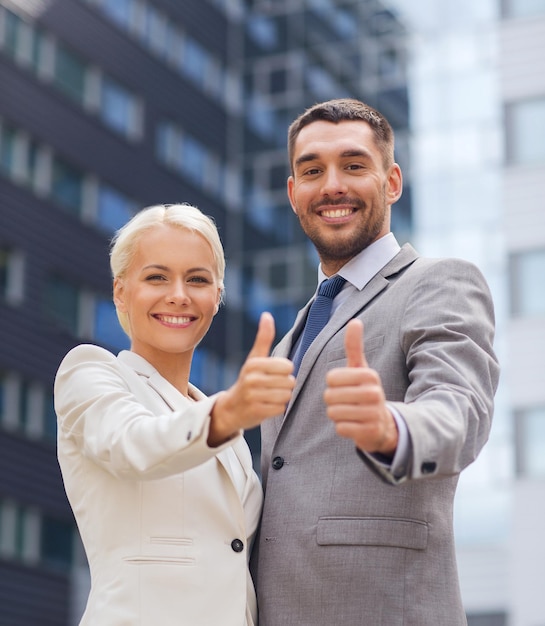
x=317 y=316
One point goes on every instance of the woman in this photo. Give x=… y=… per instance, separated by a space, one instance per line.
x=159 y=476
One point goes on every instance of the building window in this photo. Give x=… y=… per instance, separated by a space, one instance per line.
x=13 y=34
x=527 y=270
x=107 y=329
x=530 y=442
x=158 y=32
x=12 y=530
x=8 y=138
x=119 y=11
x=70 y=74
x=26 y=407
x=523 y=8
x=525 y=128
x=56 y=542
x=67 y=186
x=190 y=157
x=11 y=275
x=487 y=619
x=62 y=304
x=120 y=109
x=31 y=164
x=114 y=208
x=31 y=537
x=152 y=29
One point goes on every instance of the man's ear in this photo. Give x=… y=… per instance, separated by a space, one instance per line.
x=119 y=295
x=291 y=185
x=395 y=183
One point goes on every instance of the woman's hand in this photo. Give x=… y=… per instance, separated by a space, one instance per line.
x=262 y=390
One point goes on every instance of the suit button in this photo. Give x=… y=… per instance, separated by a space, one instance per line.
x=428 y=467
x=278 y=462
x=237 y=545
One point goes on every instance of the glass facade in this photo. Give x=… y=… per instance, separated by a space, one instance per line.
x=83 y=149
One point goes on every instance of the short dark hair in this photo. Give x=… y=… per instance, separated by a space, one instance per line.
x=341 y=110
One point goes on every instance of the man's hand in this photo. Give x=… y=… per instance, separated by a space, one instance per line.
x=355 y=399
x=262 y=390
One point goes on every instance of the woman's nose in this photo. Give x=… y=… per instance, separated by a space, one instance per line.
x=178 y=294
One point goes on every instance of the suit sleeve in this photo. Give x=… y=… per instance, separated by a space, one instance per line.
x=100 y=417
x=446 y=335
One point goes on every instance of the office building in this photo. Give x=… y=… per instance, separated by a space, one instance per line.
x=477 y=93
x=107 y=106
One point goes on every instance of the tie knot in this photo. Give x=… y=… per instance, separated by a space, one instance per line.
x=331 y=287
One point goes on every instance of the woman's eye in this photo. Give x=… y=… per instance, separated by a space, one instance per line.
x=199 y=279
x=155 y=277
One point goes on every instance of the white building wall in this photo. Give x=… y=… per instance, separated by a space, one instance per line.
x=527 y=563
x=523 y=76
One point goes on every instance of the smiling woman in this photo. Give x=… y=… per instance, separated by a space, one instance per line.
x=168 y=297
x=159 y=476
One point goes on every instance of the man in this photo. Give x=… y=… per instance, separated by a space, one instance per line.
x=360 y=472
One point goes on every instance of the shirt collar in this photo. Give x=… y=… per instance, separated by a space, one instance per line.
x=359 y=270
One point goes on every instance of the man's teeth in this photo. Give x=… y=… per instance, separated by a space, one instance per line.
x=336 y=212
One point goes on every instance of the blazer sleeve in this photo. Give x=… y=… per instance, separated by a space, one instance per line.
x=446 y=336
x=106 y=417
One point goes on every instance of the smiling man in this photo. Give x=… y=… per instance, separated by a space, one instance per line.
x=360 y=471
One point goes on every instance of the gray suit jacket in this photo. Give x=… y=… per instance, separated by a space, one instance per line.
x=342 y=541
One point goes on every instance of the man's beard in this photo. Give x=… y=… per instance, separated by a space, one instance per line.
x=343 y=248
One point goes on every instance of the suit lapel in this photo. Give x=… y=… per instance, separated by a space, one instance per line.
x=349 y=309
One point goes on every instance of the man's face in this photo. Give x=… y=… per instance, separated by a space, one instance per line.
x=340 y=189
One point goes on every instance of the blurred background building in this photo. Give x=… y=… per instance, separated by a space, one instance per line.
x=477 y=101
x=107 y=106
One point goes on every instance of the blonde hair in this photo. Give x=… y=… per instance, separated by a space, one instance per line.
x=186 y=216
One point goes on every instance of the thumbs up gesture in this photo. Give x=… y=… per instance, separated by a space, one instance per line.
x=355 y=399
x=262 y=389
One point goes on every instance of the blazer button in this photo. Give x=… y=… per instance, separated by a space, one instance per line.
x=237 y=545
x=278 y=462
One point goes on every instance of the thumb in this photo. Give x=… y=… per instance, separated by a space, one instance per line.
x=264 y=337
x=353 y=344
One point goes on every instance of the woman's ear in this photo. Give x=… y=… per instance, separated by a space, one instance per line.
x=218 y=300
x=119 y=295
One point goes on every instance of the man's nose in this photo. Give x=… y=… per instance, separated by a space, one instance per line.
x=333 y=183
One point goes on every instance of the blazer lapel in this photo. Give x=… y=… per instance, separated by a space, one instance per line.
x=172 y=397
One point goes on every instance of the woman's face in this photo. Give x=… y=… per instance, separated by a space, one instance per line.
x=170 y=293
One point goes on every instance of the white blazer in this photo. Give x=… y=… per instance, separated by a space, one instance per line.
x=166 y=521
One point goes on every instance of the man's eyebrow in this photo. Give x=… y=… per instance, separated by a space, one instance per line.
x=351 y=152
x=356 y=152
x=305 y=158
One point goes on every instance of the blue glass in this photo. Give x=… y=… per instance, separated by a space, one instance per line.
x=107 y=329
x=117 y=106
x=114 y=208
